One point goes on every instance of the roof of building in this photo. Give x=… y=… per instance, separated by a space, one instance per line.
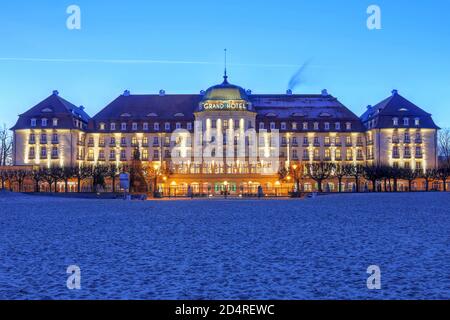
x=53 y=107
x=225 y=91
x=396 y=106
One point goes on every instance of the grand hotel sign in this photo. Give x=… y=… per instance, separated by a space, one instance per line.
x=225 y=105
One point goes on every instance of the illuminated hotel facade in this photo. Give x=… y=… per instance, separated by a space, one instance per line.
x=284 y=129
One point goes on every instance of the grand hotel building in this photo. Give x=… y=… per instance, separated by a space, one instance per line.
x=312 y=127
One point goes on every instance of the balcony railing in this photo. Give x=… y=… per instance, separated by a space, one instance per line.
x=32 y=142
x=419 y=156
x=418 y=141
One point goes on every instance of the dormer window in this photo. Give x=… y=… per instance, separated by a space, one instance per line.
x=156 y=126
x=305 y=125
x=327 y=126
x=55 y=122
x=337 y=126
x=316 y=126
x=178 y=125
x=272 y=126
x=261 y=126
x=294 y=125
x=406 y=121
x=348 y=126
x=102 y=126
x=113 y=126
x=283 y=126
x=134 y=126
x=417 y=122
x=33 y=122
x=189 y=126
x=167 y=126
x=44 y=122
x=395 y=121
x=145 y=126
x=123 y=126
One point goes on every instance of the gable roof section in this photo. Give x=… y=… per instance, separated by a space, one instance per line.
x=53 y=107
x=400 y=107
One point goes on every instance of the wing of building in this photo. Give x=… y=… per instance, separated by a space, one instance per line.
x=308 y=128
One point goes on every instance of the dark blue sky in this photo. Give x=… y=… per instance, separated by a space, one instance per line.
x=178 y=46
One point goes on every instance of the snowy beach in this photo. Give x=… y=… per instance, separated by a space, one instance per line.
x=215 y=249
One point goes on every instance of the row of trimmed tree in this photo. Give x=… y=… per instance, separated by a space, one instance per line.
x=54 y=175
x=376 y=175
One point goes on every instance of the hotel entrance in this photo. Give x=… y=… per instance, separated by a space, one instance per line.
x=220 y=188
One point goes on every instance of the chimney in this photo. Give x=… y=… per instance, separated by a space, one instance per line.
x=289 y=92
x=55 y=92
x=369 y=107
x=394 y=92
x=126 y=93
x=82 y=108
x=249 y=92
x=325 y=92
x=162 y=93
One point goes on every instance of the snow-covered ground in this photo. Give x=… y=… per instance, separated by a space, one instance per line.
x=289 y=249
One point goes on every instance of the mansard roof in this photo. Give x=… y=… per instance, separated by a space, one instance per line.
x=399 y=107
x=145 y=107
x=167 y=107
x=53 y=107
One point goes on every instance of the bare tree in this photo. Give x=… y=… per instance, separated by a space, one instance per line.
x=444 y=146
x=6 y=146
x=355 y=171
x=319 y=172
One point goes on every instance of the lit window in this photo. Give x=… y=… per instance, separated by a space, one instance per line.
x=33 y=122
x=102 y=126
x=349 y=154
x=145 y=154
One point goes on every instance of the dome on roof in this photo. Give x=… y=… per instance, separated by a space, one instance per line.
x=225 y=91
